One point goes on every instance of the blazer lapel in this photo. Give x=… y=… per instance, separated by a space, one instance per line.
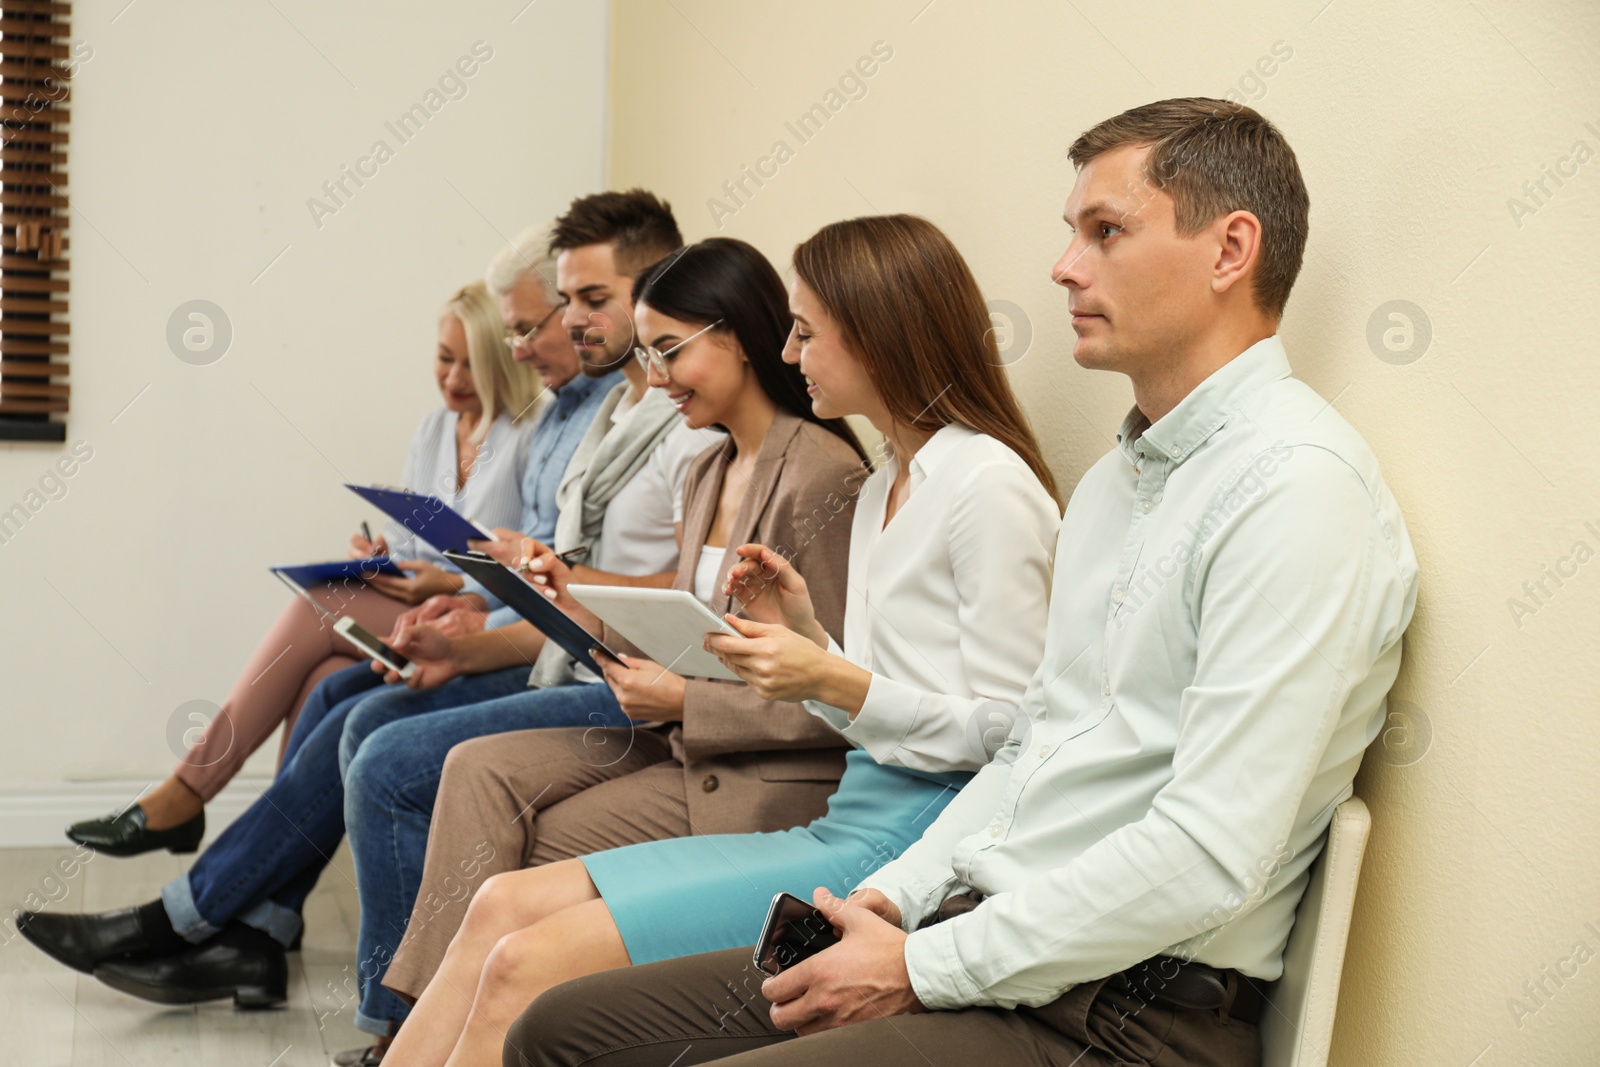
x=697 y=518
x=757 y=496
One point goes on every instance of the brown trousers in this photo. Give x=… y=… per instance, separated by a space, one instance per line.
x=506 y=807
x=702 y=1008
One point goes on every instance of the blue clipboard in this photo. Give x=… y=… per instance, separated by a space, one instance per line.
x=527 y=601
x=425 y=516
x=307 y=574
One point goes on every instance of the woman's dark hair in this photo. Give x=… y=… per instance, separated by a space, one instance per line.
x=723 y=278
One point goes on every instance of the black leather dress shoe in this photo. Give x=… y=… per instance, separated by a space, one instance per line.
x=84 y=941
x=241 y=962
x=123 y=833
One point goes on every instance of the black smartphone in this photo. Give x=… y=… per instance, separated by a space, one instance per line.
x=794 y=931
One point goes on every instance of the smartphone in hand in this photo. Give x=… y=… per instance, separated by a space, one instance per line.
x=794 y=931
x=367 y=642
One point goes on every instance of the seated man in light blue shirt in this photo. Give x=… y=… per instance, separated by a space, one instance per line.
x=1231 y=584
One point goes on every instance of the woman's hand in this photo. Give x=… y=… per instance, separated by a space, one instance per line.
x=644 y=688
x=451 y=615
x=422 y=580
x=772 y=591
x=780 y=664
x=506 y=549
x=543 y=569
x=361 y=548
x=434 y=658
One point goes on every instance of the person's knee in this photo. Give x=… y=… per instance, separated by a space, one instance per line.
x=546 y=1033
x=364 y=786
x=365 y=720
x=491 y=906
x=465 y=760
x=510 y=964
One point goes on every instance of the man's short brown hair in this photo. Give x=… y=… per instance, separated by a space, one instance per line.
x=1213 y=157
x=637 y=225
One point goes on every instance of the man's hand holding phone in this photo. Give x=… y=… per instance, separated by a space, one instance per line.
x=863 y=977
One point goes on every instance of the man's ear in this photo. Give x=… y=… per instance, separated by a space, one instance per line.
x=1238 y=248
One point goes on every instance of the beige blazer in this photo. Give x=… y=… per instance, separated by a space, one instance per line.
x=751 y=764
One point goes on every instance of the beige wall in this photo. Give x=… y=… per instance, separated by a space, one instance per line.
x=200 y=131
x=1415 y=124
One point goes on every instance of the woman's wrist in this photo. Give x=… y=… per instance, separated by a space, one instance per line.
x=841 y=684
x=817 y=634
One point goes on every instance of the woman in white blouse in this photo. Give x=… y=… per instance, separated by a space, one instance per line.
x=948 y=587
x=470 y=453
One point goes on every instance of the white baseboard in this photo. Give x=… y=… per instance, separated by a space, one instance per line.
x=38 y=816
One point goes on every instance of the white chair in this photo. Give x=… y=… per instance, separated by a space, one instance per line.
x=1297 y=1023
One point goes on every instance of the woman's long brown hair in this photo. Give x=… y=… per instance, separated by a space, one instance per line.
x=912 y=312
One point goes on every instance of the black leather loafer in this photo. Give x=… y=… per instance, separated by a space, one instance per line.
x=240 y=962
x=123 y=833
x=82 y=942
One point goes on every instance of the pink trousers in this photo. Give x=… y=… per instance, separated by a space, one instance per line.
x=297 y=652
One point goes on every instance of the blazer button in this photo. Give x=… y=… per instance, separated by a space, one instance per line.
x=710 y=784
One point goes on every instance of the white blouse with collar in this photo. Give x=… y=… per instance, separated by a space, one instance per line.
x=492 y=494
x=947 y=605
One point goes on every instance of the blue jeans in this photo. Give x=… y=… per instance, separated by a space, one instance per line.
x=260 y=870
x=390 y=786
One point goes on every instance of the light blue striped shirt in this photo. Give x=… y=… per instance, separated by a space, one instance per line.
x=555 y=439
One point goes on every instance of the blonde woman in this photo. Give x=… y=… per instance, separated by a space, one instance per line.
x=470 y=453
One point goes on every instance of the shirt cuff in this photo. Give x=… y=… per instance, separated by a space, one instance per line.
x=501 y=617
x=471 y=585
x=916 y=899
x=937 y=977
x=887 y=715
x=828 y=714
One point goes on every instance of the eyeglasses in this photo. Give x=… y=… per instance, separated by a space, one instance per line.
x=516 y=340
x=653 y=359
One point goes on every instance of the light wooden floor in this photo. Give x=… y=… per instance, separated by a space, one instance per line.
x=51 y=1016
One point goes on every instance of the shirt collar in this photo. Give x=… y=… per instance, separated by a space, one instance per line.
x=580 y=388
x=935 y=451
x=1177 y=434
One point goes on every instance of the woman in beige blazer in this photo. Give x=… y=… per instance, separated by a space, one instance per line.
x=715 y=757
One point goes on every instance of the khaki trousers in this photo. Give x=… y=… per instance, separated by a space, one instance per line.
x=516 y=800
x=702 y=1008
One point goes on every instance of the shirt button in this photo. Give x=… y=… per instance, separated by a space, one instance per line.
x=710 y=783
x=1176 y=453
x=994 y=831
x=1116 y=594
x=1044 y=750
x=1105 y=689
x=1144 y=506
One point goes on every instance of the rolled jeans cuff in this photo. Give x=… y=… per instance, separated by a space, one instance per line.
x=274 y=920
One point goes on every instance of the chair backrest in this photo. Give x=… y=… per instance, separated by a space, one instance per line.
x=1297 y=1025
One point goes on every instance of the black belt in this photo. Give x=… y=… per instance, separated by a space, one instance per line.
x=1195 y=986
x=1161 y=979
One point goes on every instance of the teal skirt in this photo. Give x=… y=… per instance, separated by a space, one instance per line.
x=688 y=895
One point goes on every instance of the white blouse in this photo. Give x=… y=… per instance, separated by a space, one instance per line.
x=705 y=571
x=947 y=606
x=492 y=494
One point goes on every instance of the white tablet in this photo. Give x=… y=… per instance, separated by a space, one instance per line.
x=670 y=625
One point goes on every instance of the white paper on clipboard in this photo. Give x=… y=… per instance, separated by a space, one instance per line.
x=669 y=625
